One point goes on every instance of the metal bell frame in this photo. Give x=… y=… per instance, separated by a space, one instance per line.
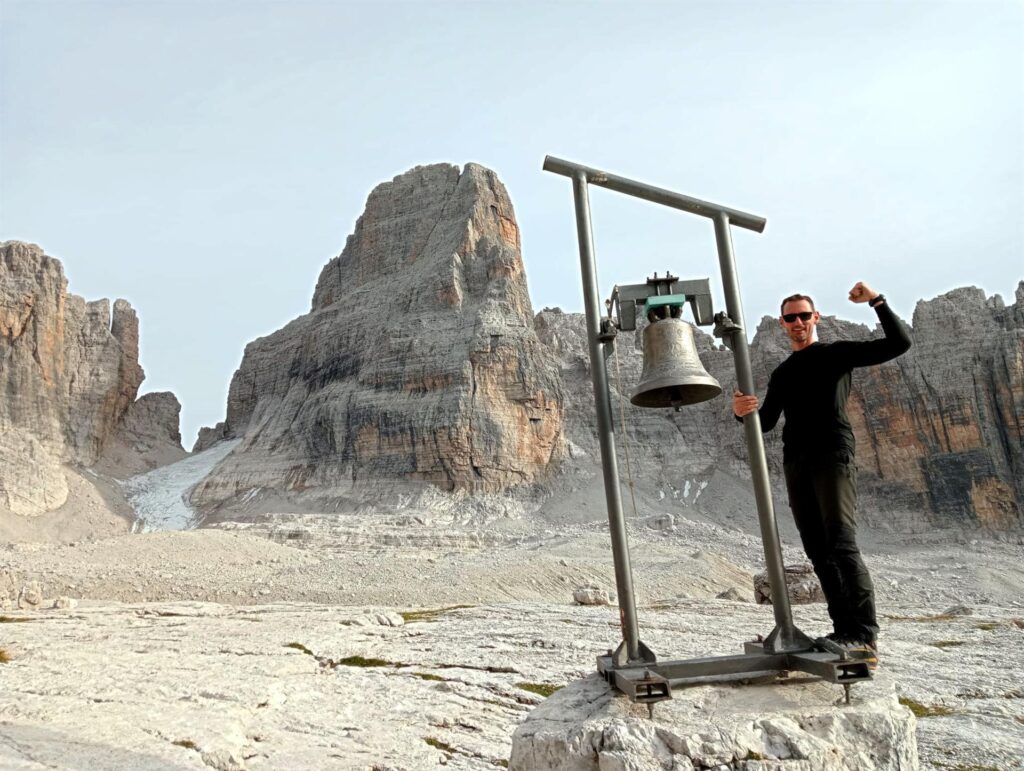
x=632 y=667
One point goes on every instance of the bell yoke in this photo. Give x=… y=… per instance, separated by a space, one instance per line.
x=674 y=377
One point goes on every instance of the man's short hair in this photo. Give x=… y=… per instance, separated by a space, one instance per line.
x=794 y=298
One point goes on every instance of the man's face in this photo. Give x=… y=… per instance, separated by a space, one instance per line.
x=800 y=329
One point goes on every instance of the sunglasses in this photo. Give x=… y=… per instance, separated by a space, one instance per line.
x=789 y=318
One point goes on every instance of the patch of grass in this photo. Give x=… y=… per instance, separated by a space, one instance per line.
x=987 y=626
x=655 y=607
x=13 y=620
x=437 y=744
x=5 y=657
x=348 y=661
x=751 y=755
x=922 y=710
x=428 y=676
x=188 y=744
x=500 y=763
x=925 y=619
x=360 y=661
x=411 y=616
x=947 y=643
x=541 y=689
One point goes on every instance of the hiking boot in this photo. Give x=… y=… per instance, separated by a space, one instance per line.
x=863 y=650
x=859 y=650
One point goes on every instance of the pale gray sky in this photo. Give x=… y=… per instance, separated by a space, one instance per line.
x=205 y=159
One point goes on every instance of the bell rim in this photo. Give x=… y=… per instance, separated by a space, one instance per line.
x=706 y=391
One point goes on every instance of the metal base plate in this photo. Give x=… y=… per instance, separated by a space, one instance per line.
x=650 y=683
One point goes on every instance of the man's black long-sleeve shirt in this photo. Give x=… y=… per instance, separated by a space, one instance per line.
x=812 y=385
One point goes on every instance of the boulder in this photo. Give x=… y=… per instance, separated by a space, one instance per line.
x=801 y=582
x=797 y=726
x=31 y=596
x=592 y=595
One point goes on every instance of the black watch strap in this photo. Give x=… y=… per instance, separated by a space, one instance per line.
x=876 y=301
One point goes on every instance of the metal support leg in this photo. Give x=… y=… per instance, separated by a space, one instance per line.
x=632 y=651
x=785 y=636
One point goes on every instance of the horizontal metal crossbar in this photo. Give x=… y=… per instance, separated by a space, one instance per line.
x=653 y=194
x=653 y=682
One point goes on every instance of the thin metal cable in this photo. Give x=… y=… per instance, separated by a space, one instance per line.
x=622 y=420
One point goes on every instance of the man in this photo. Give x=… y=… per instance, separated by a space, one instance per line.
x=811 y=388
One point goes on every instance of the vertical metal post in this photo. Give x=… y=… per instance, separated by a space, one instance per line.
x=785 y=636
x=605 y=429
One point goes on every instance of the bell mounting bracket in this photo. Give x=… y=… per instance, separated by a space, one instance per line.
x=661 y=292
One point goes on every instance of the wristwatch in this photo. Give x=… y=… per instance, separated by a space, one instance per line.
x=876 y=300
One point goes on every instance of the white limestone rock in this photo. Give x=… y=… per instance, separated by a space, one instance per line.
x=8 y=588
x=385 y=618
x=592 y=595
x=31 y=596
x=797 y=725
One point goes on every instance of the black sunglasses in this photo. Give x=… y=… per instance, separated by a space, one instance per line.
x=789 y=318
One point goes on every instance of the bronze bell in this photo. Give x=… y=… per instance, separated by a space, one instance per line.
x=673 y=375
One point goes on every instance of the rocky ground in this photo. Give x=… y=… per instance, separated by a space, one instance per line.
x=414 y=640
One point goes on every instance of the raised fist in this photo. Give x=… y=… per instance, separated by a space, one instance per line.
x=862 y=293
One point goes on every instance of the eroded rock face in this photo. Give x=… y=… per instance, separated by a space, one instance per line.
x=944 y=425
x=147 y=437
x=940 y=430
x=417 y=363
x=209 y=436
x=154 y=418
x=69 y=373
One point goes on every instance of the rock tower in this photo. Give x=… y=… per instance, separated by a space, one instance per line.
x=417 y=363
x=69 y=375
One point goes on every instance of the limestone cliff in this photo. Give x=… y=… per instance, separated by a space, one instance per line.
x=940 y=430
x=69 y=375
x=417 y=363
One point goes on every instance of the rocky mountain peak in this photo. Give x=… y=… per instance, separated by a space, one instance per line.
x=418 y=362
x=442 y=233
